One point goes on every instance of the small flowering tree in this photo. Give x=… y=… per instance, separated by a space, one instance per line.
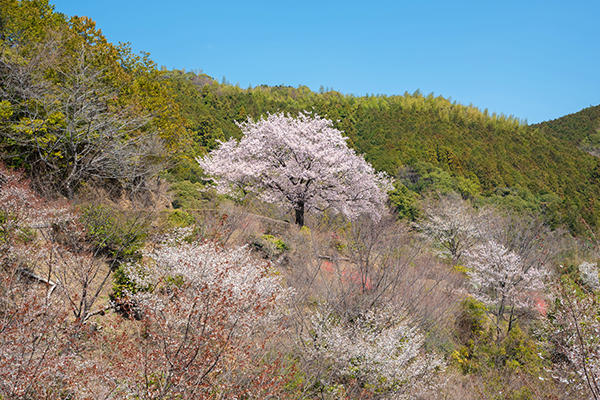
x=501 y=279
x=589 y=275
x=303 y=163
x=381 y=349
x=575 y=328
x=206 y=316
x=451 y=222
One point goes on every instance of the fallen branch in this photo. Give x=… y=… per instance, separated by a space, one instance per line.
x=33 y=276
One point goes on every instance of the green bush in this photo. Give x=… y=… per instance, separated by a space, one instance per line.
x=122 y=285
x=179 y=219
x=520 y=352
x=424 y=177
x=479 y=351
x=270 y=246
x=471 y=322
x=122 y=288
x=189 y=195
x=404 y=201
x=114 y=234
x=278 y=243
x=185 y=169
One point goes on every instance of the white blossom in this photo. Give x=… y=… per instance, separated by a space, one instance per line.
x=452 y=223
x=589 y=274
x=206 y=266
x=501 y=277
x=302 y=163
x=381 y=348
x=577 y=331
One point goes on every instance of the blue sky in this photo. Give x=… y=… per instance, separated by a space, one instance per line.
x=536 y=60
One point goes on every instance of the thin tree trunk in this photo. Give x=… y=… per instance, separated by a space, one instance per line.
x=500 y=318
x=511 y=319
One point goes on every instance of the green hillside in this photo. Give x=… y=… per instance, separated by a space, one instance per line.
x=581 y=128
x=428 y=141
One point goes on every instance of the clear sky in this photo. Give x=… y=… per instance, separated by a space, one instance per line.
x=536 y=60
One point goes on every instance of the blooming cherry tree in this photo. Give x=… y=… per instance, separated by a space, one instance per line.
x=303 y=163
x=501 y=278
x=575 y=330
x=452 y=222
x=381 y=348
x=207 y=319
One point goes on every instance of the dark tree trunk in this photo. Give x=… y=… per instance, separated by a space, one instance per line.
x=299 y=208
x=511 y=319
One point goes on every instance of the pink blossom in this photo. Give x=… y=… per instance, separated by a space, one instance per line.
x=303 y=163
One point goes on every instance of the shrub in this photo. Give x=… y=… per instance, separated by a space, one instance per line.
x=270 y=246
x=113 y=233
x=471 y=322
x=189 y=195
x=404 y=202
x=179 y=219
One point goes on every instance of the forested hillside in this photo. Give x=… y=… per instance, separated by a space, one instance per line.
x=428 y=142
x=581 y=129
x=76 y=108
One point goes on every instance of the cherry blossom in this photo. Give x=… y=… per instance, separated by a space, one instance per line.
x=503 y=279
x=452 y=223
x=303 y=163
x=589 y=275
x=576 y=332
x=381 y=347
x=207 y=314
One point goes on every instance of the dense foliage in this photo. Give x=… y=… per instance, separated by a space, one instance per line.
x=428 y=142
x=76 y=108
x=581 y=128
